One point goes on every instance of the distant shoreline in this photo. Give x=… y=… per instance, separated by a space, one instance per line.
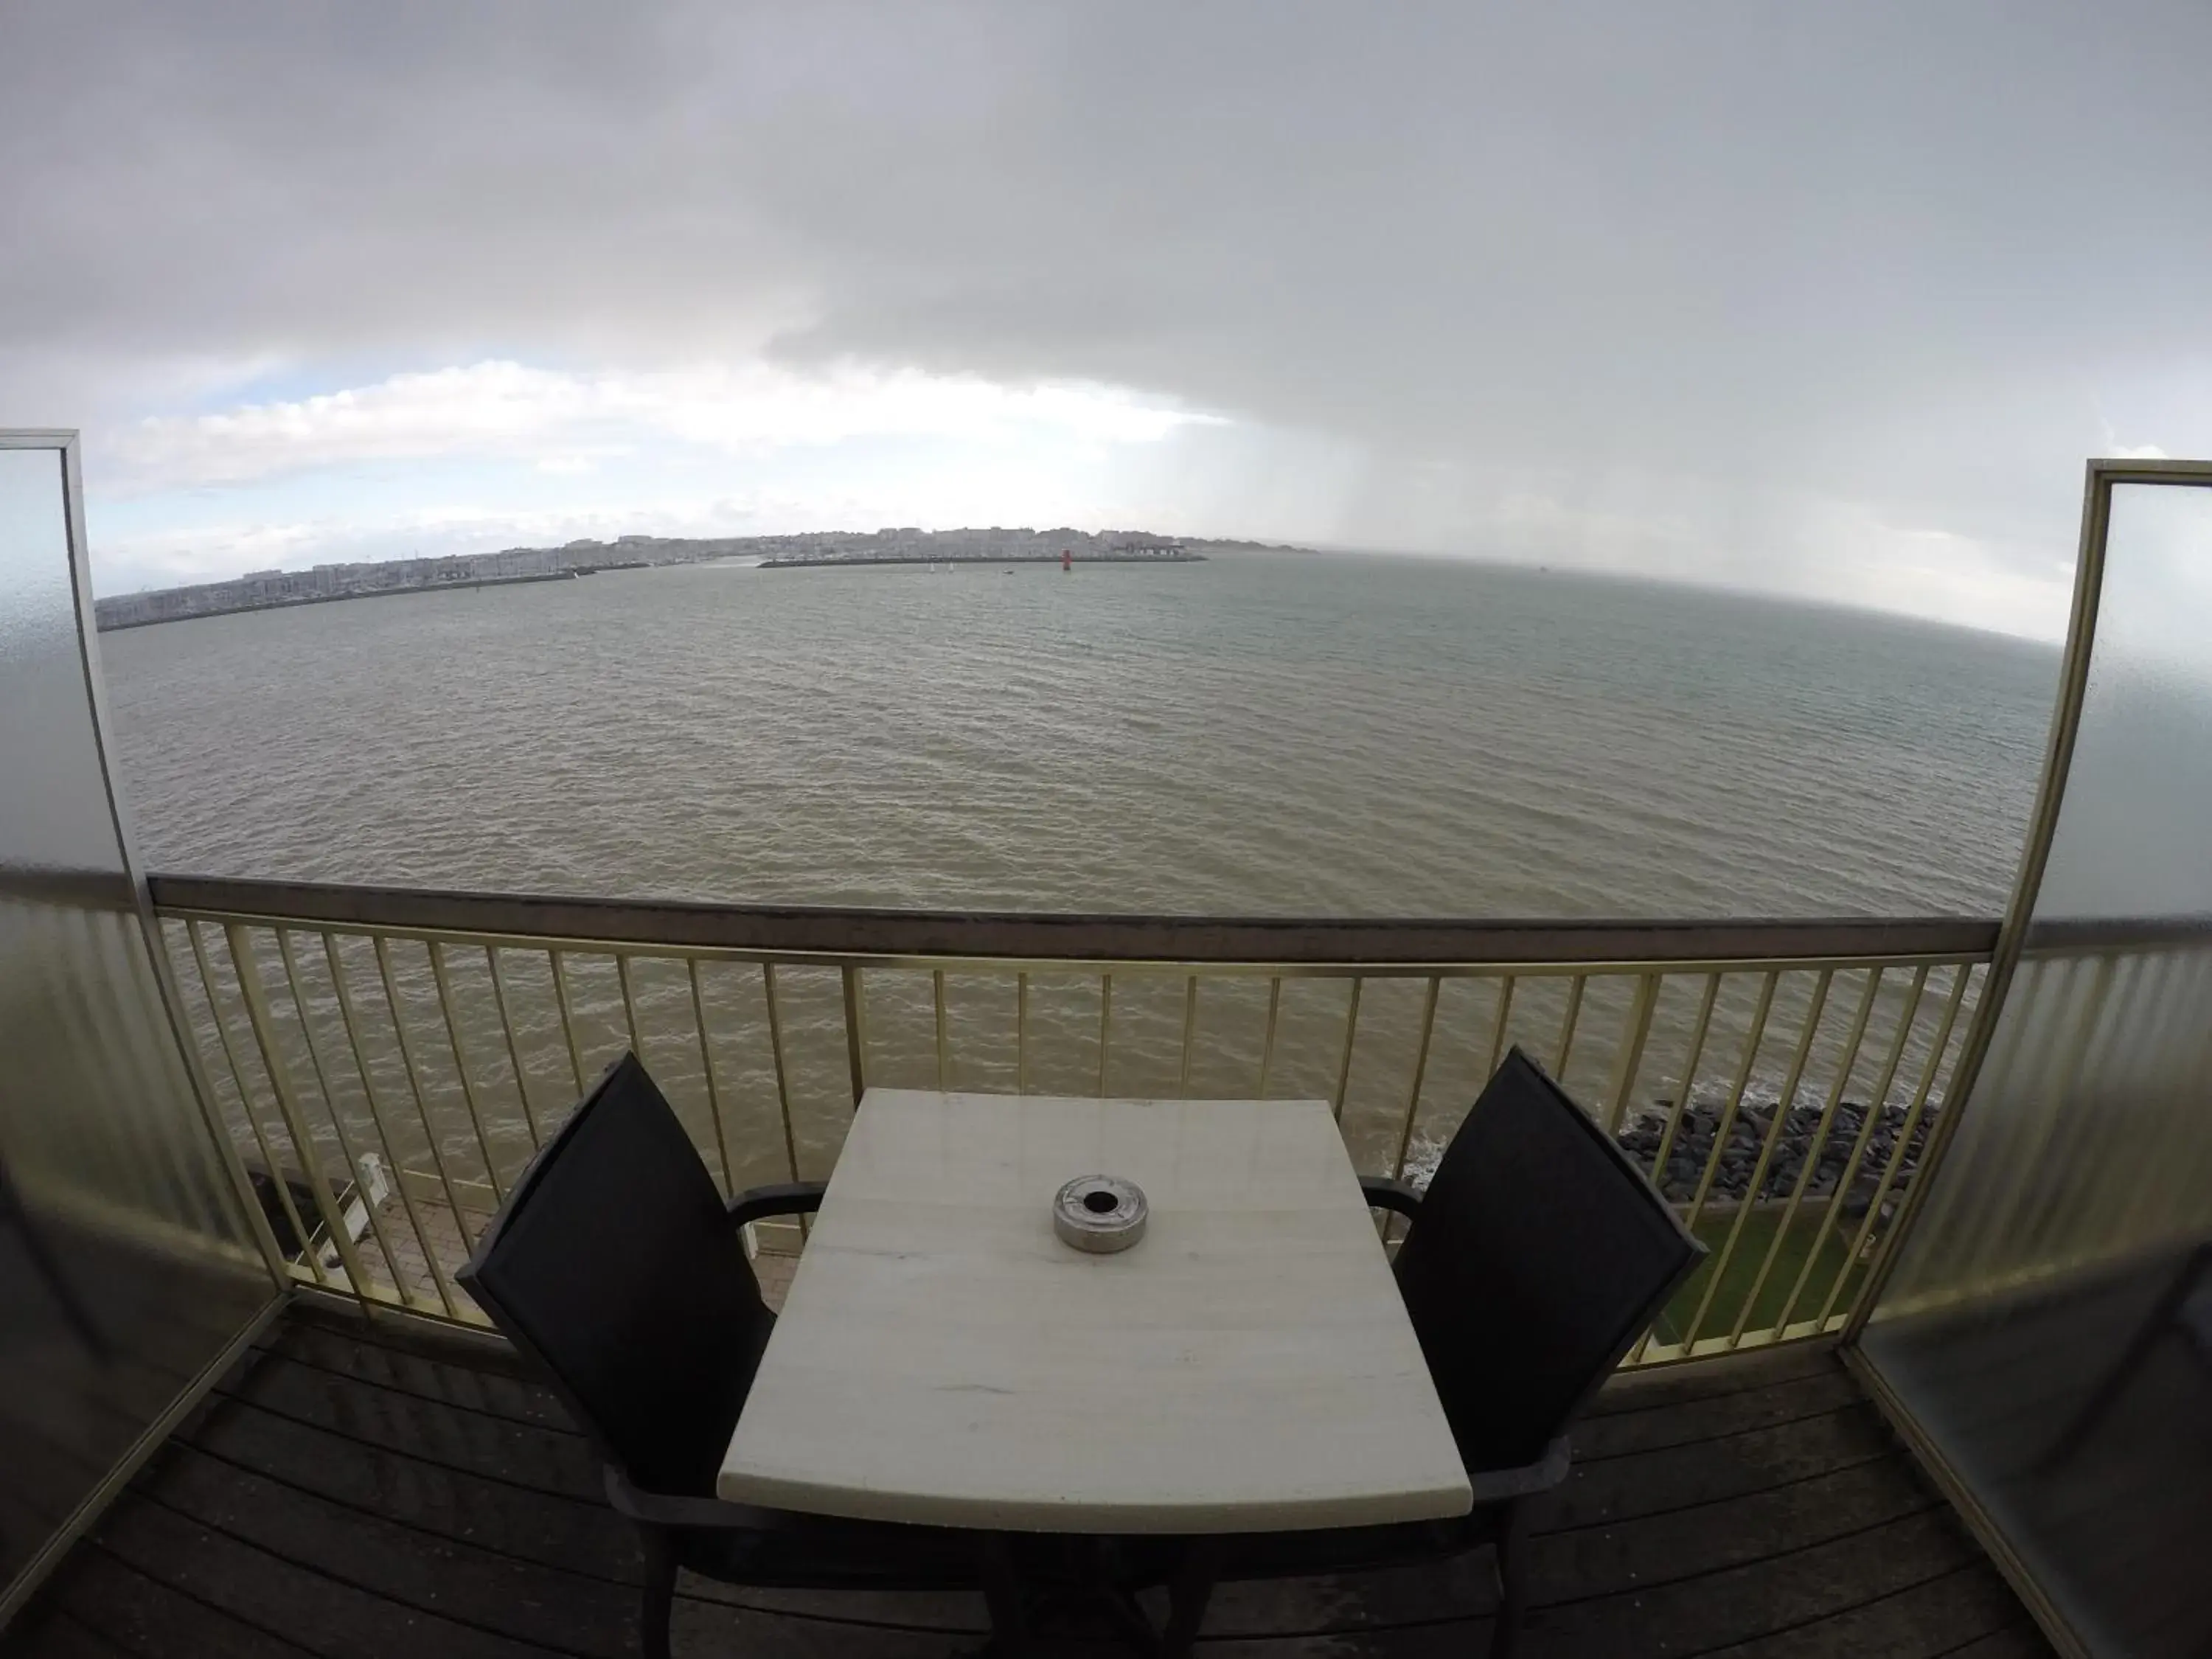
x=809 y=560
x=336 y=599
x=277 y=590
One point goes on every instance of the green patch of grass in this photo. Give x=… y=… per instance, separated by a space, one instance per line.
x=1740 y=1272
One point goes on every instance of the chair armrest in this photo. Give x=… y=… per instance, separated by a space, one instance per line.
x=791 y=1198
x=655 y=1509
x=1383 y=1194
x=1498 y=1486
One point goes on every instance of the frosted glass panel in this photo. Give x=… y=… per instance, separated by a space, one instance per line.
x=53 y=786
x=2135 y=835
x=125 y=1266
x=2051 y=1316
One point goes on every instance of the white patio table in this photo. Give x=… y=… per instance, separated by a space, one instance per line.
x=942 y=1358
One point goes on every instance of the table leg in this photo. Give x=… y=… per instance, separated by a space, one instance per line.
x=1012 y=1597
x=1104 y=1590
x=1192 y=1589
x=1003 y=1596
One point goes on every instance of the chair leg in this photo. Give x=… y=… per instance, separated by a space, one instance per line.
x=1192 y=1589
x=1512 y=1580
x=2106 y=1394
x=658 y=1600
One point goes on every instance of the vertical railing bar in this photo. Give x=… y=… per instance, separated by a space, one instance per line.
x=2138 y=1028
x=1994 y=1219
x=1632 y=1061
x=414 y=1087
x=217 y=1218
x=246 y=1100
x=1497 y=1030
x=72 y=1001
x=629 y=1006
x=1189 y=1028
x=2192 y=1176
x=69 y=1002
x=1268 y=1042
x=1877 y=1106
x=2182 y=1176
x=1421 y=1075
x=2023 y=1230
x=1105 y=1026
x=1351 y=1037
x=369 y=1207
x=161 y=976
x=1683 y=1091
x=2187 y=1177
x=2012 y=1212
x=2143 y=1022
x=1847 y=1061
x=1754 y=1037
x=125 y=1125
x=352 y=1024
x=1567 y=1027
x=937 y=1004
x=56 y=1008
x=1689 y=1082
x=2012 y=937
x=782 y=1080
x=707 y=1066
x=1897 y=1151
x=248 y=967
x=492 y=954
x=437 y=950
x=856 y=1036
x=1775 y=1129
x=2143 y=984
x=224 y=1193
x=2031 y=985
x=557 y=963
x=1022 y=1033
x=193 y=1197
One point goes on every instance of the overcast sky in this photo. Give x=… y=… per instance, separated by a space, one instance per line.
x=1830 y=301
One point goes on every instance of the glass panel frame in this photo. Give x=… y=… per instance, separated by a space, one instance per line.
x=135 y=1264
x=2071 y=1179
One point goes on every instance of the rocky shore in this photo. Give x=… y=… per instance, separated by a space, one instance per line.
x=1693 y=1149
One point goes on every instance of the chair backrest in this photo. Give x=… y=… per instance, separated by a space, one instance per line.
x=1539 y=1255
x=613 y=1266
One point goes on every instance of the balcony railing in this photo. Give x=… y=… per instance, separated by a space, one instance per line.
x=408 y=1051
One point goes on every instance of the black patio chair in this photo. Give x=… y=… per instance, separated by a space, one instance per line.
x=2184 y=1309
x=29 y=1241
x=1537 y=1257
x=615 y=1267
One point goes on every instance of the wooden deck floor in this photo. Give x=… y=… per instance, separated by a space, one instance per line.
x=2119 y=1530
x=368 y=1490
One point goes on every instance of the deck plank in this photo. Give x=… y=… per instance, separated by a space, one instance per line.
x=1657 y=1387
x=303 y=1607
x=517 y=1453
x=407 y=1566
x=1690 y=1476
x=1963 y=1608
x=1716 y=1417
x=570 y=1534
x=2019 y=1640
x=362 y=1488
x=132 y=1613
x=63 y=1635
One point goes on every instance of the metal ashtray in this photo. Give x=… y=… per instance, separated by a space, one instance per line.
x=1099 y=1213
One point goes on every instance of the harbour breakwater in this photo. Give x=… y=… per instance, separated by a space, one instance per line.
x=1690 y=1152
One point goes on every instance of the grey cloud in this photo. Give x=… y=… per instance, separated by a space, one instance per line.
x=1710 y=262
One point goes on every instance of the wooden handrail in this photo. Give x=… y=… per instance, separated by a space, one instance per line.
x=1043 y=936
